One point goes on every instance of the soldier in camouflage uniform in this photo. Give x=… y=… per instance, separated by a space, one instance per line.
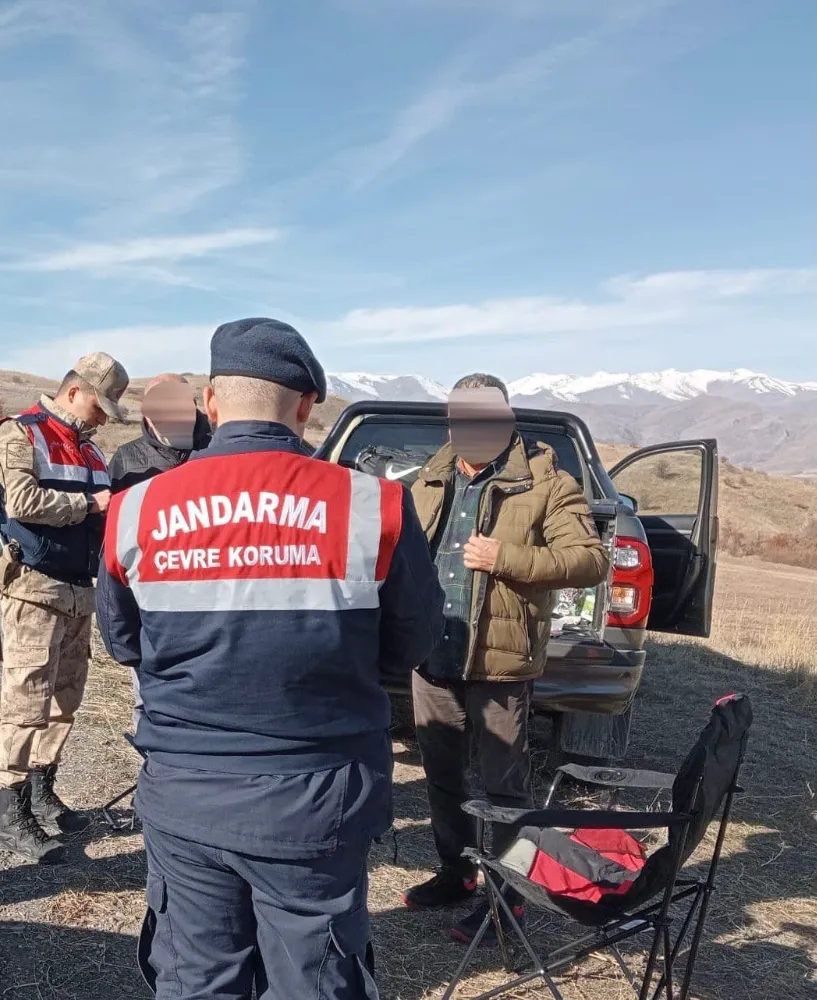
x=54 y=491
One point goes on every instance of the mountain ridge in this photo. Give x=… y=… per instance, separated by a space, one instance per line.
x=759 y=421
x=669 y=383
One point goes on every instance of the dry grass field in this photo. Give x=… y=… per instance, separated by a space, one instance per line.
x=774 y=517
x=69 y=933
x=747 y=499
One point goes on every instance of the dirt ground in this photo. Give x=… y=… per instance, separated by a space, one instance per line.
x=69 y=932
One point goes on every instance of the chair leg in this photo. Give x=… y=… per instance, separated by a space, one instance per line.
x=667 y=961
x=538 y=964
x=469 y=954
x=708 y=888
x=540 y=972
x=682 y=935
x=500 y=930
x=696 y=943
x=106 y=809
x=623 y=966
x=661 y=921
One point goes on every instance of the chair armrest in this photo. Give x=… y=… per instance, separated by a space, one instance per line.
x=618 y=777
x=593 y=819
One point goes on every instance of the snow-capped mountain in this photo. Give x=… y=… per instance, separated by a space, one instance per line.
x=603 y=387
x=356 y=386
x=606 y=387
x=759 y=420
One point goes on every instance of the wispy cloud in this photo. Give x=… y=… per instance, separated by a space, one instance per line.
x=656 y=301
x=164 y=84
x=143 y=349
x=690 y=300
x=716 y=284
x=449 y=96
x=453 y=92
x=99 y=256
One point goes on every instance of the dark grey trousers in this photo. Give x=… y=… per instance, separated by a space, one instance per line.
x=217 y=921
x=446 y=713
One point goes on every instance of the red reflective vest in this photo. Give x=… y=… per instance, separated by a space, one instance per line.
x=62 y=461
x=261 y=531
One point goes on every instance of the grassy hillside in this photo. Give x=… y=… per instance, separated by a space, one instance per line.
x=774 y=517
x=19 y=390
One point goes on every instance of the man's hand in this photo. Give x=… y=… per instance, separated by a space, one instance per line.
x=100 y=501
x=480 y=553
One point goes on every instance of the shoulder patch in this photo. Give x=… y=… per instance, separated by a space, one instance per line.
x=19 y=455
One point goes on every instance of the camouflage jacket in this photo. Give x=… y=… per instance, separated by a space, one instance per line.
x=25 y=500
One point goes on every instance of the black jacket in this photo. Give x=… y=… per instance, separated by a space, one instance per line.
x=146 y=457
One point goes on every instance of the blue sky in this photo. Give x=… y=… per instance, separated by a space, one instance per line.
x=419 y=185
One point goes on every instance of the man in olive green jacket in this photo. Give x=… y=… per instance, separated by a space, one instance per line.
x=505 y=535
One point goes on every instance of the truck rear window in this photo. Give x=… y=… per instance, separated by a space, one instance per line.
x=422 y=439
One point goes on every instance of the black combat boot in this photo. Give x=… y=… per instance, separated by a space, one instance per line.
x=20 y=832
x=48 y=809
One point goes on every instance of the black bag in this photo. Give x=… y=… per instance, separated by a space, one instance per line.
x=390 y=463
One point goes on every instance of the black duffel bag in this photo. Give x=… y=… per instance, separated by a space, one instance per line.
x=390 y=463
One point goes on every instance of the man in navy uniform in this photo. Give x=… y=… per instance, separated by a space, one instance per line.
x=264 y=595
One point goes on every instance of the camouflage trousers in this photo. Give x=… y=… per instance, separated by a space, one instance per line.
x=45 y=667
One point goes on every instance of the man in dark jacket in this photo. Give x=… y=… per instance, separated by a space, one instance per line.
x=144 y=458
x=152 y=453
x=266 y=596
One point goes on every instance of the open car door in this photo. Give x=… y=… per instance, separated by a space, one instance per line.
x=675 y=489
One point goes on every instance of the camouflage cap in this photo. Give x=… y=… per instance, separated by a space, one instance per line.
x=108 y=378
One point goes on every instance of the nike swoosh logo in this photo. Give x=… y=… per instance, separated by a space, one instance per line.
x=391 y=474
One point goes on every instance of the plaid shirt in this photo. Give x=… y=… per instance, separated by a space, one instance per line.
x=448 y=659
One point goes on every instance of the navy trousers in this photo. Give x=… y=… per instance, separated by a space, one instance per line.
x=217 y=922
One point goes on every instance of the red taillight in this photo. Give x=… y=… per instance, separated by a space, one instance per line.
x=631 y=591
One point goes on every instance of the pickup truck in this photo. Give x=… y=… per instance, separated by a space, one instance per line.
x=656 y=512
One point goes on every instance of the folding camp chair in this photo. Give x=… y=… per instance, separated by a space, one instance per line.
x=600 y=875
x=107 y=809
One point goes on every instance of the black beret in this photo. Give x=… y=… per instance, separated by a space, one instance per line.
x=266 y=349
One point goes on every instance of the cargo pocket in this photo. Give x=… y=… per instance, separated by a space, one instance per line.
x=347 y=970
x=27 y=685
x=155 y=952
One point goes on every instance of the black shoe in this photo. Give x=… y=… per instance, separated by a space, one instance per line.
x=452 y=885
x=48 y=809
x=19 y=830
x=466 y=930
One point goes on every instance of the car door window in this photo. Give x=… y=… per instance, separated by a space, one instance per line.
x=676 y=488
x=667 y=483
